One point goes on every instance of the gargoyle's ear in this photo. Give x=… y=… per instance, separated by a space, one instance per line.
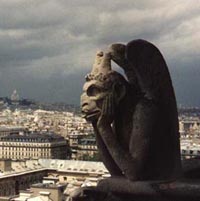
x=119 y=91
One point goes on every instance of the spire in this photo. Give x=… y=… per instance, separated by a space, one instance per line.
x=15 y=96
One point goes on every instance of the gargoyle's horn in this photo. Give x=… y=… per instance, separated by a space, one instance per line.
x=102 y=63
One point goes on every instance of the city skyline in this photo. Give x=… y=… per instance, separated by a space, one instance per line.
x=47 y=47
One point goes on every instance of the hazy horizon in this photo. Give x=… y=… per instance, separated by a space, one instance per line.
x=47 y=47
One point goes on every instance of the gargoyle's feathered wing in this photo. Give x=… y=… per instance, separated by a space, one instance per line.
x=147 y=71
x=149 y=66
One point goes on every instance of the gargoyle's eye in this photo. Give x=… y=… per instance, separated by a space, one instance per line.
x=93 y=91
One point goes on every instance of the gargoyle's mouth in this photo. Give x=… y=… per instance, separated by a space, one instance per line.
x=89 y=116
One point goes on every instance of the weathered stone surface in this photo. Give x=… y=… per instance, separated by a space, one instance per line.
x=135 y=120
x=136 y=126
x=182 y=190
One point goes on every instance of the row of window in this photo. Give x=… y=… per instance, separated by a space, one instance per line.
x=21 y=155
x=25 y=149
x=24 y=144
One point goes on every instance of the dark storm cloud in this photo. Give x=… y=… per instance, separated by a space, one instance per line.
x=47 y=46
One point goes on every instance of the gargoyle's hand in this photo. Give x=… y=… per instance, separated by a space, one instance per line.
x=81 y=194
x=107 y=112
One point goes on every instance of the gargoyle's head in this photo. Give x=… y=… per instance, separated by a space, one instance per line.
x=99 y=83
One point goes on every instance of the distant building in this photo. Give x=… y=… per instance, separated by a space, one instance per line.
x=4 y=131
x=33 y=146
x=55 y=178
x=19 y=178
x=42 y=192
x=15 y=100
x=83 y=147
x=5 y=165
x=73 y=140
x=87 y=149
x=49 y=191
x=15 y=96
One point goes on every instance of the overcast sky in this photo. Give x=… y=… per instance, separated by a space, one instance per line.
x=46 y=47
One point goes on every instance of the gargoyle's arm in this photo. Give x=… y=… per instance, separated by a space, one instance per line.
x=122 y=158
x=131 y=160
x=105 y=155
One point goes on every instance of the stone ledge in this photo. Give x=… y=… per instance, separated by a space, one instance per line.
x=183 y=190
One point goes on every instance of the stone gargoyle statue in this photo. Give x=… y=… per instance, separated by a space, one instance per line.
x=135 y=122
